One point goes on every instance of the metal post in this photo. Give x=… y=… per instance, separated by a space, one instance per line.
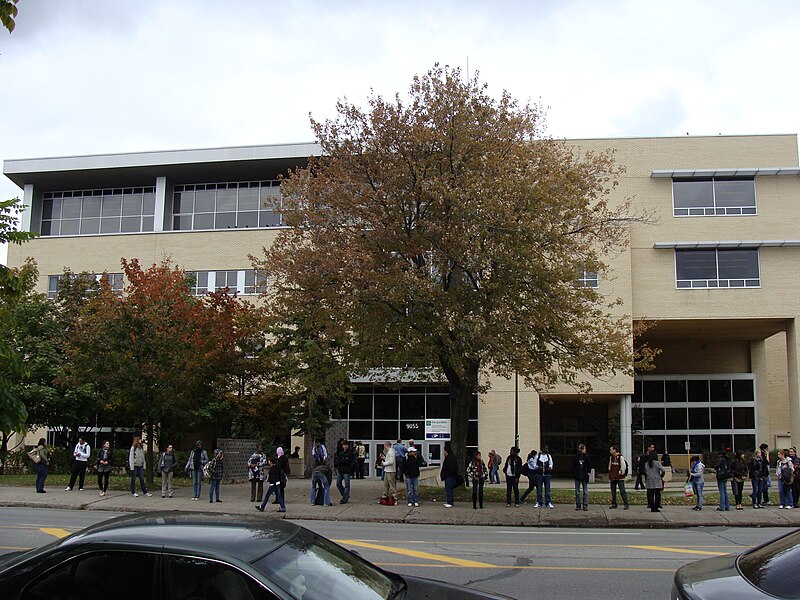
x=516 y=409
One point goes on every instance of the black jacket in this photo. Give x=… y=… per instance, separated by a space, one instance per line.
x=449 y=467
x=516 y=461
x=758 y=468
x=275 y=476
x=411 y=465
x=344 y=461
x=580 y=467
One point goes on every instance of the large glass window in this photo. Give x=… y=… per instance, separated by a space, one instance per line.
x=719 y=268
x=116 y=282
x=243 y=282
x=89 y=212
x=230 y=205
x=713 y=197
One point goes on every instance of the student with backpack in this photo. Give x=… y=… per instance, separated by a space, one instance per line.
x=723 y=471
x=617 y=472
x=531 y=470
x=580 y=472
x=544 y=462
x=215 y=469
x=758 y=471
x=274 y=479
x=255 y=473
x=696 y=469
x=512 y=469
x=784 y=471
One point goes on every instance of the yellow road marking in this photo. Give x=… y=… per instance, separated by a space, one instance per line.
x=13 y=548
x=55 y=531
x=531 y=568
x=455 y=543
x=679 y=550
x=417 y=554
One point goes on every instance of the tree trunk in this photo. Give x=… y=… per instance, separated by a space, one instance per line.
x=462 y=387
x=150 y=452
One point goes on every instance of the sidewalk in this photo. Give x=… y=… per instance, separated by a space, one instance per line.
x=363 y=506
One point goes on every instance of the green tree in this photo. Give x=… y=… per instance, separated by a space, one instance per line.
x=448 y=228
x=8 y=14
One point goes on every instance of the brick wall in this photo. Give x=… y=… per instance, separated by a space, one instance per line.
x=236 y=452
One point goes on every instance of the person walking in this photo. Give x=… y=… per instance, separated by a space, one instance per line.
x=80 y=454
x=784 y=472
x=738 y=475
x=653 y=474
x=758 y=470
x=321 y=475
x=166 y=466
x=255 y=474
x=361 y=454
x=198 y=458
x=449 y=475
x=389 y=473
x=274 y=478
x=411 y=473
x=477 y=474
x=531 y=470
x=43 y=466
x=617 y=472
x=580 y=473
x=136 y=462
x=544 y=461
x=696 y=470
x=216 y=471
x=344 y=461
x=104 y=467
x=494 y=467
x=512 y=469
x=286 y=469
x=723 y=473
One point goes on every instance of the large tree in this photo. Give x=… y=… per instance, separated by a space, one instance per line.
x=445 y=230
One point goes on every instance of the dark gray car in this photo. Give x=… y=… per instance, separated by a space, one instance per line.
x=195 y=556
x=771 y=570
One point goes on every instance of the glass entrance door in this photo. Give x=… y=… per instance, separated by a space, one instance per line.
x=434 y=453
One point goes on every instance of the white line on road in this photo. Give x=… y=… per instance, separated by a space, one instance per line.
x=538 y=532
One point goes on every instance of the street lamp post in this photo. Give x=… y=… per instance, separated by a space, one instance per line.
x=516 y=409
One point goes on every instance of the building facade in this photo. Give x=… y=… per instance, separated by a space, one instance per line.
x=714 y=268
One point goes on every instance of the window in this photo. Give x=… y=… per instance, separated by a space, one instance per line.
x=713 y=197
x=115 y=281
x=90 y=212
x=96 y=575
x=198 y=578
x=588 y=279
x=243 y=281
x=719 y=268
x=234 y=205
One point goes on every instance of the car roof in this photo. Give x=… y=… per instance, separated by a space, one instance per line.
x=243 y=537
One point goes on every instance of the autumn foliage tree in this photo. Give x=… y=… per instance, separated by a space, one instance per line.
x=155 y=350
x=447 y=227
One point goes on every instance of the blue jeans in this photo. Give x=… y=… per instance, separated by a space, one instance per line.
x=41 y=475
x=449 y=487
x=698 y=492
x=212 y=487
x=759 y=485
x=326 y=486
x=412 y=489
x=533 y=483
x=724 y=502
x=344 y=490
x=785 y=493
x=543 y=480
x=138 y=472
x=765 y=489
x=494 y=476
x=197 y=482
x=276 y=488
x=579 y=496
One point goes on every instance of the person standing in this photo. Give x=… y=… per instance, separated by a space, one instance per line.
x=477 y=474
x=319 y=453
x=784 y=471
x=494 y=467
x=764 y=501
x=198 y=458
x=723 y=473
x=400 y=456
x=321 y=475
x=696 y=469
x=666 y=460
x=545 y=464
x=738 y=475
x=286 y=469
x=796 y=485
x=580 y=472
x=758 y=470
x=639 y=472
x=389 y=472
x=296 y=453
x=104 y=467
x=216 y=471
x=653 y=473
x=449 y=475
x=255 y=474
x=43 y=466
x=512 y=469
x=81 y=455
x=617 y=472
x=532 y=474
x=344 y=461
x=274 y=479
x=361 y=454
x=136 y=462
x=411 y=467
x=166 y=466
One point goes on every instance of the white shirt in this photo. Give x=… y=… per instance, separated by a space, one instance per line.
x=82 y=452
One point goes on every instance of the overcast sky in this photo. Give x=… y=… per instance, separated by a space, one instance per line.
x=97 y=76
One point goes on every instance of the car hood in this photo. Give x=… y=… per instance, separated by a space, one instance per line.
x=421 y=588
x=714 y=579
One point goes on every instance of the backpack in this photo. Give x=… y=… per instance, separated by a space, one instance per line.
x=208 y=468
x=390 y=501
x=622 y=473
x=544 y=465
x=787 y=474
x=35 y=456
x=724 y=472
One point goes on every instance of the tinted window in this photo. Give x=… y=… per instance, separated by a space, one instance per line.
x=192 y=578
x=689 y=194
x=735 y=264
x=696 y=264
x=735 y=192
x=96 y=576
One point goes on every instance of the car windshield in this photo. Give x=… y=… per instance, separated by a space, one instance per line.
x=774 y=567
x=309 y=567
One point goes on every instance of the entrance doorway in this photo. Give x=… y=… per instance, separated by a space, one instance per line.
x=433 y=452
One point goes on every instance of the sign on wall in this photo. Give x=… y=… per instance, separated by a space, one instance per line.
x=437 y=429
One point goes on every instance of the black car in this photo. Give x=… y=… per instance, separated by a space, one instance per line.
x=771 y=570
x=195 y=556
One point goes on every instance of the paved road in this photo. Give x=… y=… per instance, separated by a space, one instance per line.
x=521 y=563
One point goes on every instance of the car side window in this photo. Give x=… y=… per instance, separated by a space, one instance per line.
x=196 y=579
x=96 y=576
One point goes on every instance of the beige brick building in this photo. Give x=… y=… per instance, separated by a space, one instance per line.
x=716 y=270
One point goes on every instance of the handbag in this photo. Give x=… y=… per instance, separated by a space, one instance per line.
x=35 y=456
x=688 y=490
